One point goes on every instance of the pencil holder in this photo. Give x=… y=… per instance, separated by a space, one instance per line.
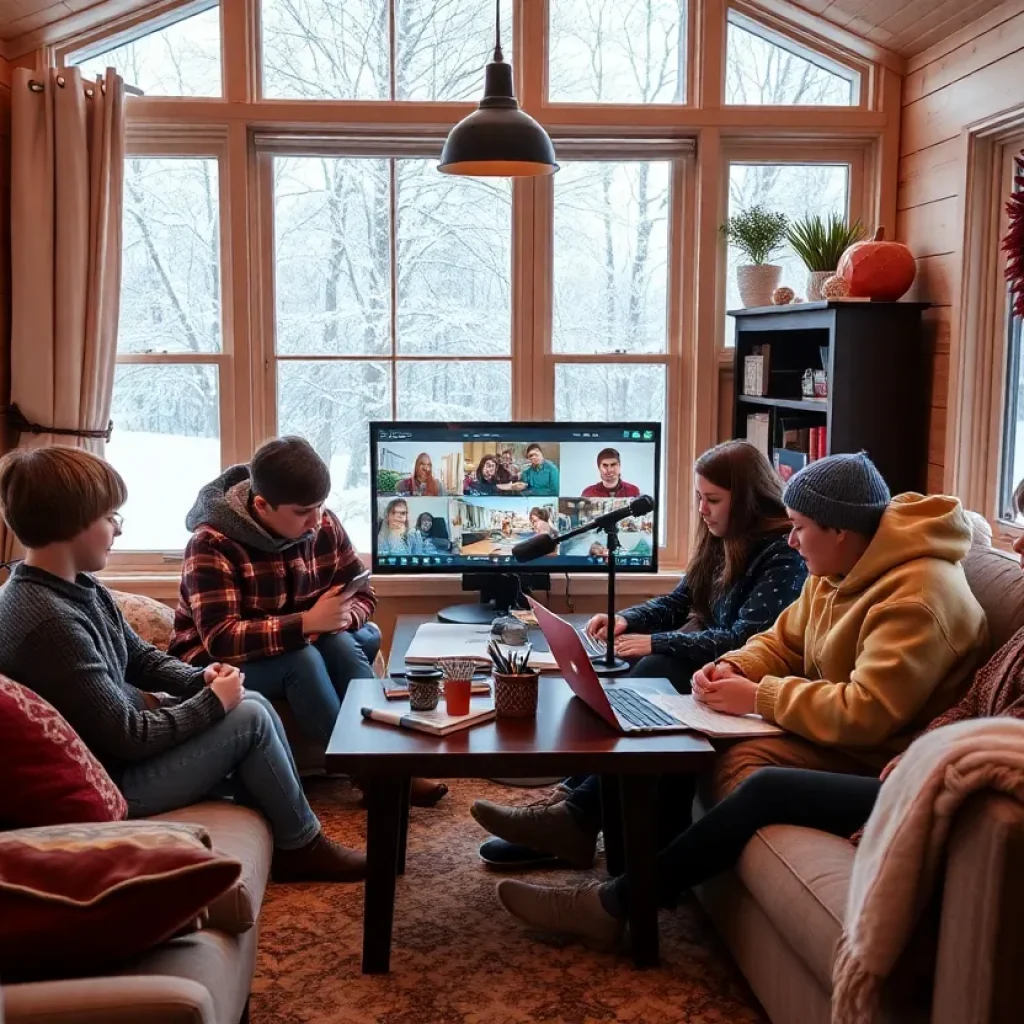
x=516 y=696
x=424 y=694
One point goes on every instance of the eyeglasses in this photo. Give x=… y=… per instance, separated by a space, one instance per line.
x=117 y=521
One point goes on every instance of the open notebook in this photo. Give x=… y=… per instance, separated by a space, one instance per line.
x=436 y=640
x=691 y=713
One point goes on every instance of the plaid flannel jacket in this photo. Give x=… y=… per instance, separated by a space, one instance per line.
x=237 y=605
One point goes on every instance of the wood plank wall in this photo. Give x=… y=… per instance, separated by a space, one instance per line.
x=974 y=74
x=5 y=234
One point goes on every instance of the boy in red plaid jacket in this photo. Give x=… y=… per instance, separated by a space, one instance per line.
x=262 y=580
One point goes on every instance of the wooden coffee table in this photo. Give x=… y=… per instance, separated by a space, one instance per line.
x=566 y=738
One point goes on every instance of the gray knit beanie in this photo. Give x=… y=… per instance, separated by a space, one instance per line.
x=844 y=492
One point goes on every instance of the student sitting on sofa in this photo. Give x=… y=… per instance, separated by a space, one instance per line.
x=168 y=734
x=830 y=802
x=741 y=575
x=885 y=635
x=883 y=638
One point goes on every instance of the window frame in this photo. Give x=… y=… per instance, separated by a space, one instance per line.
x=543 y=360
x=211 y=147
x=138 y=24
x=777 y=33
x=240 y=118
x=856 y=155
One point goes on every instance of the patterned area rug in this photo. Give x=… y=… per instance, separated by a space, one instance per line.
x=456 y=957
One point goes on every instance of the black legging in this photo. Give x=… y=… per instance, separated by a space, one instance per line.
x=829 y=802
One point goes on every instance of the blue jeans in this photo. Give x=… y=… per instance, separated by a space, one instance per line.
x=314 y=679
x=245 y=755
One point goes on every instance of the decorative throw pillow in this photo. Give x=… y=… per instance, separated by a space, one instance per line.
x=82 y=896
x=47 y=774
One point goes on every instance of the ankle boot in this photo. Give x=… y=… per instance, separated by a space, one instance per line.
x=320 y=860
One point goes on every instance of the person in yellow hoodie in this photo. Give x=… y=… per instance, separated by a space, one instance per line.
x=883 y=638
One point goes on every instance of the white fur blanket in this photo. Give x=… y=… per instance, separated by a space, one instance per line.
x=899 y=856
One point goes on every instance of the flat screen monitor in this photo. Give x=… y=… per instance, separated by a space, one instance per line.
x=456 y=497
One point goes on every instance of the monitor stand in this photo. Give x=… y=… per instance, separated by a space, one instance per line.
x=499 y=592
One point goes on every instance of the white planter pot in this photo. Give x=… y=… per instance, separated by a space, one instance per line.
x=757 y=282
x=815 y=279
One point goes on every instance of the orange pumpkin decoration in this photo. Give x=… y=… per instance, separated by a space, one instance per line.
x=878 y=269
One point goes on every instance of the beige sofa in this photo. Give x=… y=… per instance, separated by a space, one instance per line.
x=780 y=911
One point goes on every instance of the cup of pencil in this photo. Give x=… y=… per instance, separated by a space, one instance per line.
x=515 y=683
x=458 y=683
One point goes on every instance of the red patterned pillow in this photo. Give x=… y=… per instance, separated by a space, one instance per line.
x=77 y=897
x=47 y=774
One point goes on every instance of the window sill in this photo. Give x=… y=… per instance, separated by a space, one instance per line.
x=164 y=586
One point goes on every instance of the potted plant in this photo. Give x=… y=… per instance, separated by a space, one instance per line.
x=758 y=234
x=820 y=243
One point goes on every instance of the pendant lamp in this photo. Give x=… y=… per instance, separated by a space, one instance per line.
x=498 y=140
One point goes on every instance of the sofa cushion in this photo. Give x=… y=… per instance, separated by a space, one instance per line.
x=998 y=583
x=48 y=775
x=76 y=897
x=243 y=835
x=151 y=620
x=800 y=878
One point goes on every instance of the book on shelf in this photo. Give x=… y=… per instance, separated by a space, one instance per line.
x=788 y=462
x=398 y=689
x=759 y=431
x=822 y=445
x=813 y=444
x=755 y=371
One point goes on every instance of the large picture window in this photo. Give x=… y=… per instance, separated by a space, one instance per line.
x=393 y=300
x=295 y=263
x=167 y=401
x=796 y=189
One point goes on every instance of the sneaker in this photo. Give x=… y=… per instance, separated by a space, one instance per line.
x=320 y=860
x=547 y=828
x=565 y=910
x=501 y=856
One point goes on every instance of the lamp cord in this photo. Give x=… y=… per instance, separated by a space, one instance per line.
x=498 y=56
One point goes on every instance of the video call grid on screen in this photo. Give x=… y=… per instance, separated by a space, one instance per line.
x=456 y=497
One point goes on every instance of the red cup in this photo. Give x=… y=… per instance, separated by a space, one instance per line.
x=456 y=695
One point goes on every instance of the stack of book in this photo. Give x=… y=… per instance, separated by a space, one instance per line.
x=759 y=431
x=755 y=371
x=800 y=445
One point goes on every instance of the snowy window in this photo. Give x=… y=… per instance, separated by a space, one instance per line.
x=393 y=299
x=174 y=55
x=166 y=404
x=765 y=68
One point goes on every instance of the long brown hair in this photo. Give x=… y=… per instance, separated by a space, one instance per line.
x=432 y=487
x=755 y=509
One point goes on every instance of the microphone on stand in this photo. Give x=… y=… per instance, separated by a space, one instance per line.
x=545 y=543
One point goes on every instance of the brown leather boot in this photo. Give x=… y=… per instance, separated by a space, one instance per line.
x=320 y=860
x=422 y=793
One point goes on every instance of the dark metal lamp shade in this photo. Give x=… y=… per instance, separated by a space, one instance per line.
x=498 y=140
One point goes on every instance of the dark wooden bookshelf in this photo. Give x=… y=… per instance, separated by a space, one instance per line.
x=879 y=379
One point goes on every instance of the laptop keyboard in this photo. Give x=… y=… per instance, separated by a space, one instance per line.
x=637 y=710
x=594 y=648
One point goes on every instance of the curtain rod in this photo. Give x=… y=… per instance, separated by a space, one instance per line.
x=35 y=86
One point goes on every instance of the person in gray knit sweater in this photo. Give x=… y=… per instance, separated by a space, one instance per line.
x=167 y=733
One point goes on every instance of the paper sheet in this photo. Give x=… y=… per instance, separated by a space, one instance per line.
x=691 y=712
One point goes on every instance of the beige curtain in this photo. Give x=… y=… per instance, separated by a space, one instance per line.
x=67 y=174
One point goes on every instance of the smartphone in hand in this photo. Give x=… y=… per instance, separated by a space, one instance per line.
x=356 y=585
